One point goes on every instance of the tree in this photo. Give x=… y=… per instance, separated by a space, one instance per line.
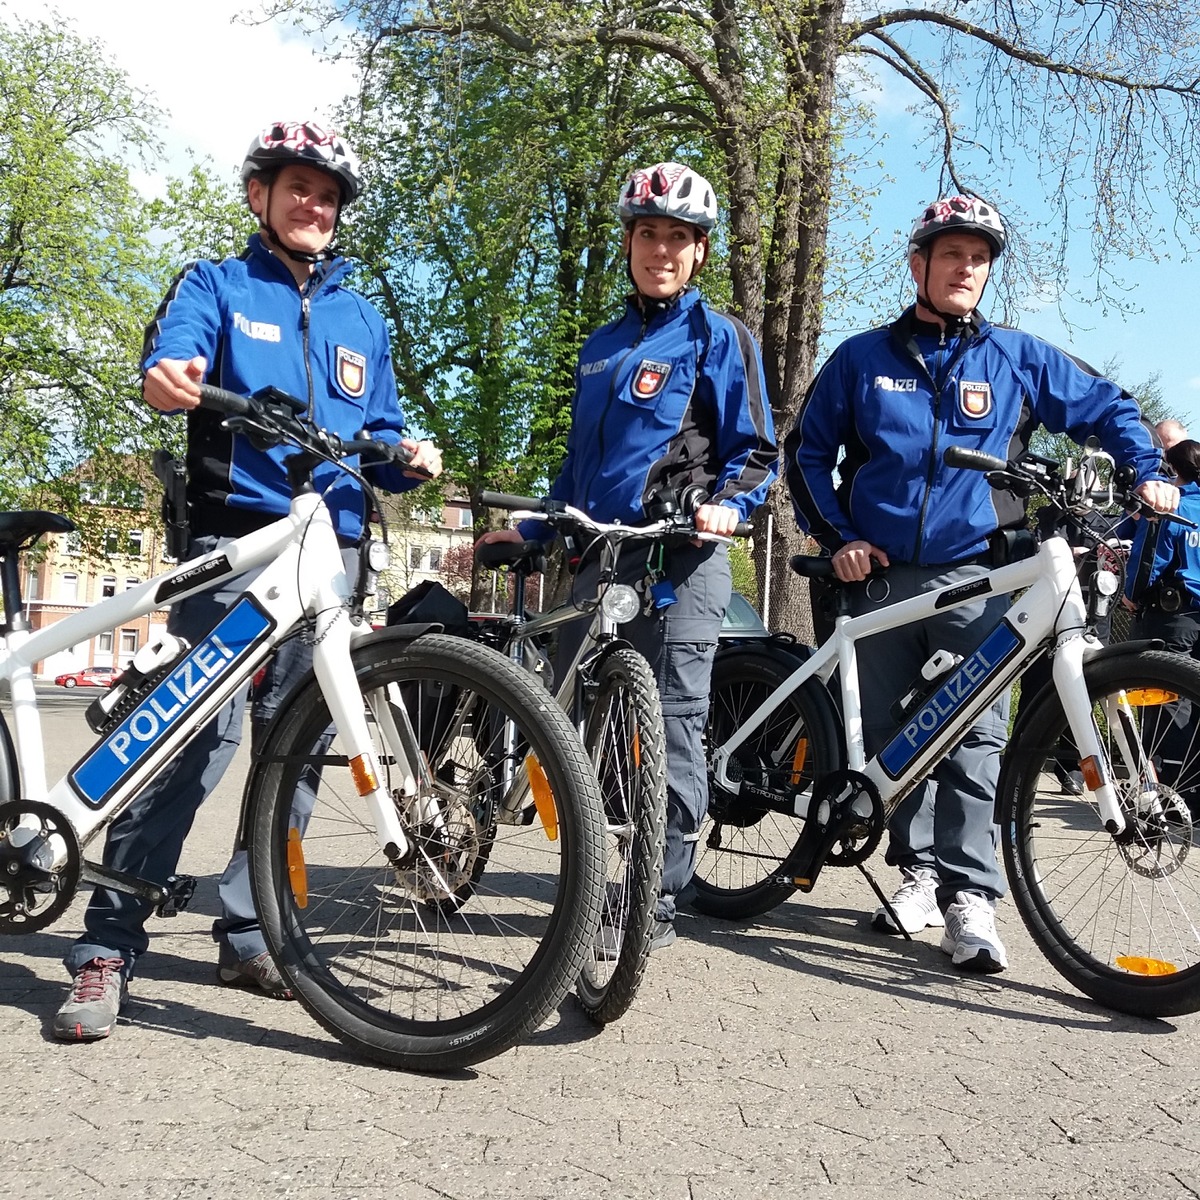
x=77 y=270
x=1092 y=98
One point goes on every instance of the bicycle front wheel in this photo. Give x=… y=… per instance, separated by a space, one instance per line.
x=624 y=736
x=751 y=831
x=458 y=954
x=1117 y=916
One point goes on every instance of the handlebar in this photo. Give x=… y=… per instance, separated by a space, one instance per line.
x=277 y=417
x=1031 y=475
x=556 y=513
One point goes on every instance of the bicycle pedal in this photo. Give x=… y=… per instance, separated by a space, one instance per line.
x=179 y=890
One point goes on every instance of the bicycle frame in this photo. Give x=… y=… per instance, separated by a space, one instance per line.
x=1053 y=604
x=302 y=577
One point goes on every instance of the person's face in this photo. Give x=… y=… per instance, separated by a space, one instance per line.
x=663 y=255
x=958 y=268
x=304 y=206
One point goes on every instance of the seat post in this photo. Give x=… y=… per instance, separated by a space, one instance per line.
x=10 y=587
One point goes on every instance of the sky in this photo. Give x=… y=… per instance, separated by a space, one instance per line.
x=218 y=80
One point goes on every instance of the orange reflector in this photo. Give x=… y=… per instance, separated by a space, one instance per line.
x=637 y=748
x=364 y=777
x=1146 y=697
x=1145 y=966
x=1090 y=769
x=543 y=797
x=297 y=871
x=799 y=759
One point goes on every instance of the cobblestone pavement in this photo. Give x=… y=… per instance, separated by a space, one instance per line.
x=800 y=1052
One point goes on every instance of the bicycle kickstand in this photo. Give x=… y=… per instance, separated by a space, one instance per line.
x=887 y=904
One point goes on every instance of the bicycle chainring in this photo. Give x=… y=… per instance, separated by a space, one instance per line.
x=862 y=837
x=39 y=866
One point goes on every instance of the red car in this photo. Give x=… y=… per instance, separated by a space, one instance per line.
x=88 y=677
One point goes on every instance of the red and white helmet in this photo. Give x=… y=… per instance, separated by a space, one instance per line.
x=308 y=144
x=668 y=189
x=959 y=214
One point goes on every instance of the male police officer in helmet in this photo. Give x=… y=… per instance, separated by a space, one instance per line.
x=893 y=399
x=278 y=315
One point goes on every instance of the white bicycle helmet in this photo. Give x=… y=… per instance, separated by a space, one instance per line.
x=668 y=189
x=308 y=144
x=959 y=214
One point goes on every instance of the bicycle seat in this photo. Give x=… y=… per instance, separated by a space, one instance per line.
x=17 y=528
x=529 y=556
x=812 y=566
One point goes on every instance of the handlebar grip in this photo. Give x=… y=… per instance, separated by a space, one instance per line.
x=973 y=460
x=743 y=530
x=219 y=400
x=508 y=500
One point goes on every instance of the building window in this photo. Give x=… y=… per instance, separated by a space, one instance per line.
x=108 y=586
x=73 y=544
x=68 y=587
x=415 y=555
x=104 y=642
x=128 y=644
x=131 y=583
x=135 y=543
x=465 y=519
x=435 y=558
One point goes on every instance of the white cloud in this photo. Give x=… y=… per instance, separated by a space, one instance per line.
x=216 y=79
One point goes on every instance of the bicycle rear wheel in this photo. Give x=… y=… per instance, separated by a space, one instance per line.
x=746 y=838
x=1118 y=917
x=624 y=736
x=458 y=955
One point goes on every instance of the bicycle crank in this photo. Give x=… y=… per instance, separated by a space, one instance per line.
x=843 y=827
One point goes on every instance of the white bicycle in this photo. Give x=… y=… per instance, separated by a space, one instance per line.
x=1106 y=882
x=374 y=802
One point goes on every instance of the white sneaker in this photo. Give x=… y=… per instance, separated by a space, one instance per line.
x=971 y=935
x=915 y=903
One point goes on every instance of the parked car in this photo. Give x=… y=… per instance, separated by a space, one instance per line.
x=741 y=621
x=88 y=677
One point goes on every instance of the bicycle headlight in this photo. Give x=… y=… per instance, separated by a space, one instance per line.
x=620 y=603
x=379 y=557
x=1106 y=583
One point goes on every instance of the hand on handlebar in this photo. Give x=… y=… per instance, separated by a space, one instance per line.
x=1161 y=496
x=499 y=535
x=426 y=461
x=173 y=384
x=852 y=563
x=716 y=518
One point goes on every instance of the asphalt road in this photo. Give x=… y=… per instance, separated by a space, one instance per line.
x=797 y=1053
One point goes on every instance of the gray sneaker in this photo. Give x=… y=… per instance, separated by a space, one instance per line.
x=97 y=993
x=971 y=935
x=259 y=971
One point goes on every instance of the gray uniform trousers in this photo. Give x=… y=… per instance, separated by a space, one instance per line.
x=147 y=839
x=679 y=643
x=948 y=823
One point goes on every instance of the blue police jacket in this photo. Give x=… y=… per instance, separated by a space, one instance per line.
x=1161 y=547
x=323 y=343
x=895 y=398
x=670 y=395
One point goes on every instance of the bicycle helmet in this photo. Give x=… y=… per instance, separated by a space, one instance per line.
x=308 y=144
x=959 y=214
x=668 y=189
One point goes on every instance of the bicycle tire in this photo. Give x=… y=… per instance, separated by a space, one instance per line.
x=396 y=978
x=624 y=737
x=1105 y=911
x=744 y=843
